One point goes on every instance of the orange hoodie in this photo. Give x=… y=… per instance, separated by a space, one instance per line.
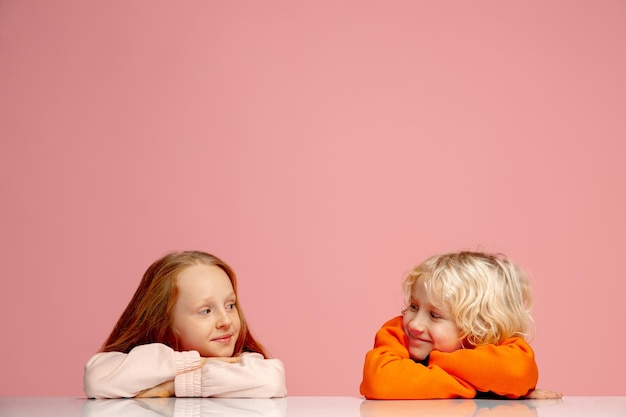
x=507 y=369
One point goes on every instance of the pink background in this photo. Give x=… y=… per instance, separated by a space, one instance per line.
x=322 y=148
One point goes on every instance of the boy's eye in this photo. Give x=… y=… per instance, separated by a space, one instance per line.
x=205 y=311
x=414 y=308
x=435 y=315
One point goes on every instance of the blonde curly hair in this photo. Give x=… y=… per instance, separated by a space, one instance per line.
x=488 y=295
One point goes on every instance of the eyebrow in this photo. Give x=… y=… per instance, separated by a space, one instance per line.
x=428 y=305
x=209 y=299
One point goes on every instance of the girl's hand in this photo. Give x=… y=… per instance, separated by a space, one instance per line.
x=227 y=359
x=163 y=390
x=542 y=394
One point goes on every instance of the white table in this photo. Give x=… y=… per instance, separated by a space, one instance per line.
x=309 y=406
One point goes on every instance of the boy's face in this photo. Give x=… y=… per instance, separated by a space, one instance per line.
x=428 y=327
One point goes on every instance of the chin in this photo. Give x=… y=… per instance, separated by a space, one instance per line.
x=227 y=352
x=419 y=357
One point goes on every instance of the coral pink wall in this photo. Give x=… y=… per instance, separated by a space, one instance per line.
x=322 y=148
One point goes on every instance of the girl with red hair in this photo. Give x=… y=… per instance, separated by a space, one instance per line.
x=184 y=334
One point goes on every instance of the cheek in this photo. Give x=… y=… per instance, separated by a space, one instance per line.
x=444 y=333
x=187 y=332
x=405 y=323
x=237 y=323
x=452 y=336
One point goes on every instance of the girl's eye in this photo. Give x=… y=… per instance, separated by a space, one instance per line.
x=435 y=315
x=414 y=308
x=205 y=311
x=230 y=306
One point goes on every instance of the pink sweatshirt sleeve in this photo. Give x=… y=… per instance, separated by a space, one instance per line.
x=252 y=377
x=120 y=375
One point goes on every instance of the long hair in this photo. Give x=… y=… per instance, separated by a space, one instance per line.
x=489 y=296
x=148 y=316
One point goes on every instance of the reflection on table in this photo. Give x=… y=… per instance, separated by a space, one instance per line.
x=186 y=407
x=309 y=407
x=455 y=408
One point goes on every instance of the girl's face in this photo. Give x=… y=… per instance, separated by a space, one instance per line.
x=205 y=316
x=428 y=327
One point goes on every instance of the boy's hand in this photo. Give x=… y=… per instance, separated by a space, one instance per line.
x=542 y=394
x=163 y=390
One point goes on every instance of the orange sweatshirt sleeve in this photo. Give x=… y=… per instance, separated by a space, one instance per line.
x=389 y=372
x=508 y=369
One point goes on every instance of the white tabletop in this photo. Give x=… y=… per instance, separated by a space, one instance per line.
x=309 y=406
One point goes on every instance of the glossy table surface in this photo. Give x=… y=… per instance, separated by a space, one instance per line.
x=308 y=406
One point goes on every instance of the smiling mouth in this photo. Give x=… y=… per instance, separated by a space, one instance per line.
x=418 y=341
x=223 y=339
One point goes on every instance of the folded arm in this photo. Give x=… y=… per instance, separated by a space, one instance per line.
x=123 y=375
x=390 y=373
x=251 y=376
x=508 y=369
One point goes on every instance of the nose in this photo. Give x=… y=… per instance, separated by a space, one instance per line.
x=223 y=320
x=417 y=325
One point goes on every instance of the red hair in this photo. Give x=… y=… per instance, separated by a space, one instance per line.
x=148 y=316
